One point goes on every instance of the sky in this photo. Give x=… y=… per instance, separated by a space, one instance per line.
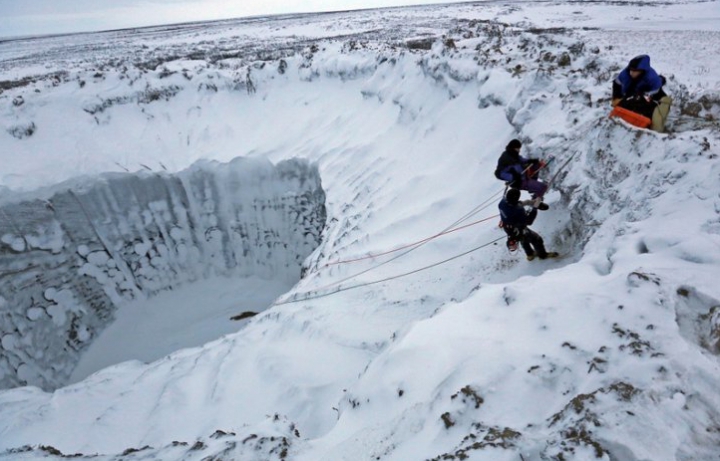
x=41 y=17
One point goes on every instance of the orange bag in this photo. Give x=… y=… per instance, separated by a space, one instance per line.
x=532 y=171
x=633 y=118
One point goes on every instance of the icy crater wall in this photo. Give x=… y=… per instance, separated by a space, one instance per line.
x=69 y=260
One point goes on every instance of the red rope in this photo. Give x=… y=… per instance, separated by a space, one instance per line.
x=375 y=255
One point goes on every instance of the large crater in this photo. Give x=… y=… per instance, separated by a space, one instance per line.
x=72 y=257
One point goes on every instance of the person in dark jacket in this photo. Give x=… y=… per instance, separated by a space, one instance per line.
x=515 y=221
x=513 y=167
x=639 y=89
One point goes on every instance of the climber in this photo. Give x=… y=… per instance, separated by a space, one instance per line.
x=520 y=172
x=638 y=89
x=515 y=220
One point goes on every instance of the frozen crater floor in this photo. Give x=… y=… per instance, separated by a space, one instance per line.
x=187 y=316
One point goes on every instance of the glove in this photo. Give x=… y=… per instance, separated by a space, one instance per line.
x=615 y=101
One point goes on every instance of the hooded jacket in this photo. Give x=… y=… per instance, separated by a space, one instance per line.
x=510 y=166
x=647 y=84
x=515 y=216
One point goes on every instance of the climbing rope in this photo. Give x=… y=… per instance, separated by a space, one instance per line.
x=425 y=240
x=311 y=295
x=318 y=293
x=449 y=229
x=413 y=246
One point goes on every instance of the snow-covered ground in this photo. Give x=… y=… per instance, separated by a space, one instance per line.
x=410 y=332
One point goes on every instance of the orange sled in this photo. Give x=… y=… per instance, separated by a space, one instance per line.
x=633 y=118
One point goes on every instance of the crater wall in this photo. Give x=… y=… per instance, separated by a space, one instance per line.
x=69 y=260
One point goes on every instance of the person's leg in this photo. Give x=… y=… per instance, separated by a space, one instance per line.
x=533 y=239
x=527 y=247
x=535 y=187
x=660 y=114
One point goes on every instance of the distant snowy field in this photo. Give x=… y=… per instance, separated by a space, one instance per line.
x=333 y=174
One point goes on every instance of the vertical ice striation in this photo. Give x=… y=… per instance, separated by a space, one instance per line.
x=67 y=262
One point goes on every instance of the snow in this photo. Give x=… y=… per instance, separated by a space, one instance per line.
x=411 y=332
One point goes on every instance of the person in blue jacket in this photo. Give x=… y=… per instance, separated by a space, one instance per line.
x=515 y=221
x=639 y=88
x=512 y=168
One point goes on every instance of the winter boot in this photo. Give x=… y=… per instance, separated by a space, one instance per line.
x=550 y=254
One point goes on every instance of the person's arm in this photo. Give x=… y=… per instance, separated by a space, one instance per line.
x=530 y=216
x=651 y=84
x=525 y=162
x=616 y=93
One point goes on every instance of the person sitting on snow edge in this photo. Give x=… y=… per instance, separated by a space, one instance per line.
x=513 y=168
x=638 y=88
x=515 y=221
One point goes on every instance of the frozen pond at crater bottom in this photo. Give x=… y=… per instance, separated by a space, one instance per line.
x=188 y=316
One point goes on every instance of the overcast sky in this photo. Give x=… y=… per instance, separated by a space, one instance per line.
x=36 y=17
